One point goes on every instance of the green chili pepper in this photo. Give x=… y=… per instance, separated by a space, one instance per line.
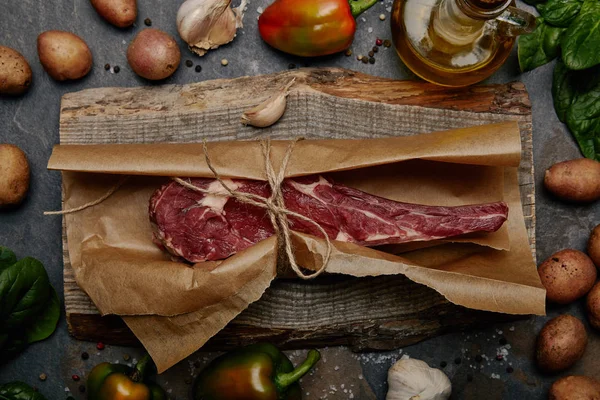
x=255 y=372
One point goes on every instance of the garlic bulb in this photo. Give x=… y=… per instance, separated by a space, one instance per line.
x=208 y=24
x=411 y=379
x=269 y=111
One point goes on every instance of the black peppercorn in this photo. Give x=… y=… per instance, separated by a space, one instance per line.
x=106 y=67
x=387 y=43
x=372 y=60
x=198 y=68
x=116 y=69
x=189 y=63
x=85 y=356
x=375 y=49
x=365 y=60
x=148 y=22
x=371 y=53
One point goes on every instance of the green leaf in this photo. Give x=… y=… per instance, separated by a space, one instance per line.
x=581 y=41
x=24 y=292
x=19 y=391
x=539 y=47
x=45 y=323
x=563 y=90
x=559 y=12
x=7 y=258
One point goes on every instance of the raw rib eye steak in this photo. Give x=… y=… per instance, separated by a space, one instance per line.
x=200 y=227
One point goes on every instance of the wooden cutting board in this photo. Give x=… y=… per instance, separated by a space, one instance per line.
x=367 y=313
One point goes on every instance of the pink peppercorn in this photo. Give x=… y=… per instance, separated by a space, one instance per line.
x=379 y=42
x=75 y=377
x=100 y=346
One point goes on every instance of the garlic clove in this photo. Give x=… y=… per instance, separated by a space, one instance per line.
x=269 y=111
x=411 y=379
x=208 y=24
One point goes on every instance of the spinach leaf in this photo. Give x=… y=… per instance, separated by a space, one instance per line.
x=559 y=12
x=24 y=292
x=581 y=42
x=583 y=116
x=563 y=90
x=539 y=47
x=7 y=258
x=45 y=323
x=19 y=391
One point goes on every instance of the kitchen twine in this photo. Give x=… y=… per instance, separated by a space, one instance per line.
x=274 y=205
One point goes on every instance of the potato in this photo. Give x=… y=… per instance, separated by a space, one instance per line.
x=575 y=387
x=567 y=276
x=561 y=343
x=593 y=247
x=64 y=55
x=14 y=175
x=153 y=54
x=15 y=72
x=575 y=180
x=592 y=304
x=121 y=13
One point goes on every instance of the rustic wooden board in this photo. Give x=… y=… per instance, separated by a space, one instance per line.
x=367 y=313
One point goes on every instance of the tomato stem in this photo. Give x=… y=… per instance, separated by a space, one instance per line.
x=286 y=379
x=359 y=6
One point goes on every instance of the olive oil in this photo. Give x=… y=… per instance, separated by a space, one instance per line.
x=456 y=42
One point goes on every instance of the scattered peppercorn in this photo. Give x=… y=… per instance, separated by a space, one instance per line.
x=198 y=68
x=443 y=364
x=499 y=357
x=348 y=52
x=387 y=43
x=478 y=358
x=510 y=370
x=379 y=42
x=457 y=360
x=382 y=17
x=359 y=57
x=224 y=62
x=189 y=63
x=82 y=388
x=188 y=381
x=75 y=377
x=43 y=377
x=372 y=60
x=126 y=357
x=100 y=345
x=375 y=49
x=106 y=67
x=371 y=53
x=291 y=66
x=469 y=377
x=148 y=22
x=503 y=341
x=365 y=60
x=85 y=355
x=117 y=69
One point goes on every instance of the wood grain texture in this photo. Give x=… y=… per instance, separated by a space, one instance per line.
x=367 y=313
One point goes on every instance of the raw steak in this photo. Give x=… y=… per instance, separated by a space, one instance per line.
x=200 y=227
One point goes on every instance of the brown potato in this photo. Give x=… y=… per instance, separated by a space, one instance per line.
x=561 y=343
x=593 y=247
x=15 y=73
x=14 y=175
x=567 y=276
x=575 y=387
x=64 y=55
x=575 y=180
x=121 y=13
x=153 y=54
x=592 y=304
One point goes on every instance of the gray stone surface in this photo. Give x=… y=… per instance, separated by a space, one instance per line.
x=31 y=122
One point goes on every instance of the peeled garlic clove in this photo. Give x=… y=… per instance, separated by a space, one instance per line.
x=411 y=379
x=269 y=111
x=208 y=24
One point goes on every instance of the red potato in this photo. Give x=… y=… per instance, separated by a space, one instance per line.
x=561 y=343
x=593 y=247
x=592 y=305
x=575 y=387
x=120 y=13
x=153 y=54
x=15 y=72
x=575 y=180
x=64 y=55
x=567 y=276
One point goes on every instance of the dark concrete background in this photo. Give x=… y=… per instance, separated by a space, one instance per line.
x=31 y=122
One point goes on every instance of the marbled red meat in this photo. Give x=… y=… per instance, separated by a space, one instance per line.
x=199 y=227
